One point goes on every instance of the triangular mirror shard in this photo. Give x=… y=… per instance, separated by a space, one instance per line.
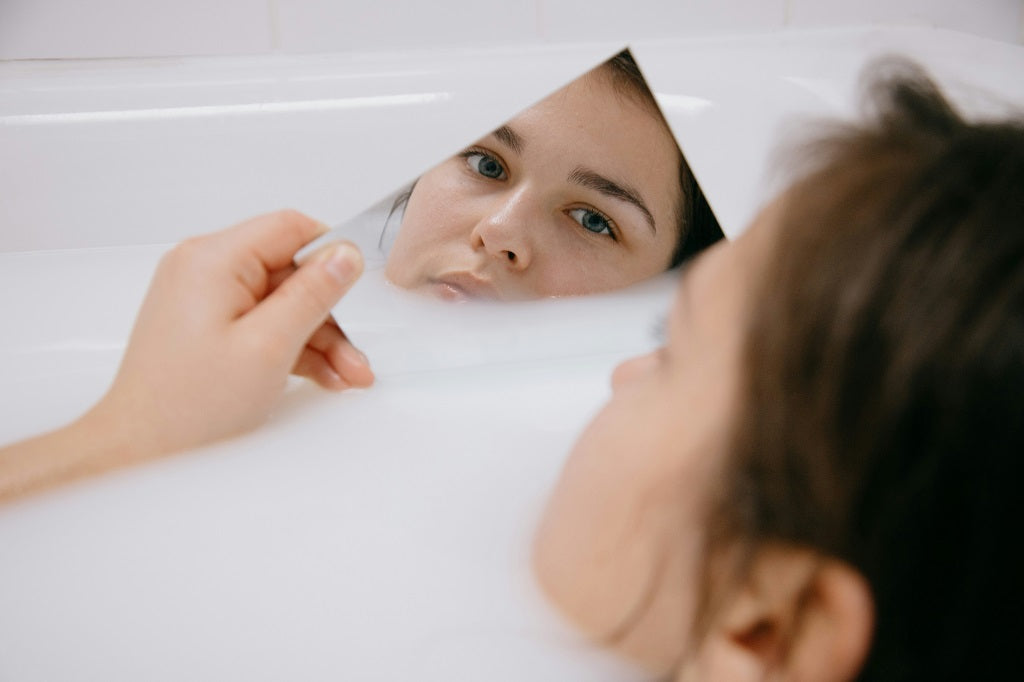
x=585 y=191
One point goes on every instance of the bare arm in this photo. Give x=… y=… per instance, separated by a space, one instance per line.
x=226 y=318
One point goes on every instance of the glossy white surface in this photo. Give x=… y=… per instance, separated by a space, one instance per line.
x=149 y=151
x=734 y=103
x=378 y=535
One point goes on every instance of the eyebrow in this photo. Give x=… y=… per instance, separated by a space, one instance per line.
x=510 y=138
x=588 y=178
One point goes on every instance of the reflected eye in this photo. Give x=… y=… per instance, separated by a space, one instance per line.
x=485 y=165
x=593 y=221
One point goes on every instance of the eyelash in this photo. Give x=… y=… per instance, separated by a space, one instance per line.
x=477 y=151
x=613 y=230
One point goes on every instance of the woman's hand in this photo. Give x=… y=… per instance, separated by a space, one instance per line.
x=227 y=317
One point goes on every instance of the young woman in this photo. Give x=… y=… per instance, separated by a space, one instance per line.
x=585 y=191
x=816 y=478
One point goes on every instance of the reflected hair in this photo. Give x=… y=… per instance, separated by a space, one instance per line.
x=882 y=414
x=696 y=223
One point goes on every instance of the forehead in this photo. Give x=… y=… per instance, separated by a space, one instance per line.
x=594 y=104
x=593 y=124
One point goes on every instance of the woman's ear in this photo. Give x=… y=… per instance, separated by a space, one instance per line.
x=798 y=617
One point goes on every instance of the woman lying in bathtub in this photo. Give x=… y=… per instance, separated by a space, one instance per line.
x=585 y=191
x=816 y=477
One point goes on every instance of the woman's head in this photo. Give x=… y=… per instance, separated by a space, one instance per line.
x=586 y=191
x=818 y=474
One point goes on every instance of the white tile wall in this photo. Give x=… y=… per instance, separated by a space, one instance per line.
x=580 y=20
x=46 y=29
x=999 y=19
x=329 y=25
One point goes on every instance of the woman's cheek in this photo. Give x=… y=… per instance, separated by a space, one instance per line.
x=595 y=491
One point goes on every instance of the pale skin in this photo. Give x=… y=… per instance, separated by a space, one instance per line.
x=578 y=194
x=227 y=317
x=620 y=547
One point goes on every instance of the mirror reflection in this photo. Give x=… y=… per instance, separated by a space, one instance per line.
x=584 y=192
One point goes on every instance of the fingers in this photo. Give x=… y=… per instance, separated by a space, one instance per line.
x=314 y=366
x=344 y=358
x=276 y=277
x=302 y=302
x=273 y=238
x=333 y=362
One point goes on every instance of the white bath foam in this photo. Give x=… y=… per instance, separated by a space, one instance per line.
x=374 y=535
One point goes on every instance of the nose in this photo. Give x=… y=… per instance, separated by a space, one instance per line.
x=504 y=230
x=629 y=371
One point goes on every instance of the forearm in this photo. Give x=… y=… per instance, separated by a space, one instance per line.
x=83 y=448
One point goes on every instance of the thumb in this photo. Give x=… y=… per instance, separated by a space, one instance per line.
x=303 y=301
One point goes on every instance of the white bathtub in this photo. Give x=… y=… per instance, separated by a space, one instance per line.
x=380 y=535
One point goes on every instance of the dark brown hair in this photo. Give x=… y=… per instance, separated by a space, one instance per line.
x=884 y=383
x=696 y=223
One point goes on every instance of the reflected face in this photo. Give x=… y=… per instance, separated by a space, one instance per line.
x=578 y=194
x=619 y=548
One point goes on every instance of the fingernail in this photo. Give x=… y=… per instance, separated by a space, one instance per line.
x=343 y=262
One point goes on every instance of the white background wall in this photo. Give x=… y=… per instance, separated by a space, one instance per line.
x=48 y=29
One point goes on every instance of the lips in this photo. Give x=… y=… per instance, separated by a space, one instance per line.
x=463 y=286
